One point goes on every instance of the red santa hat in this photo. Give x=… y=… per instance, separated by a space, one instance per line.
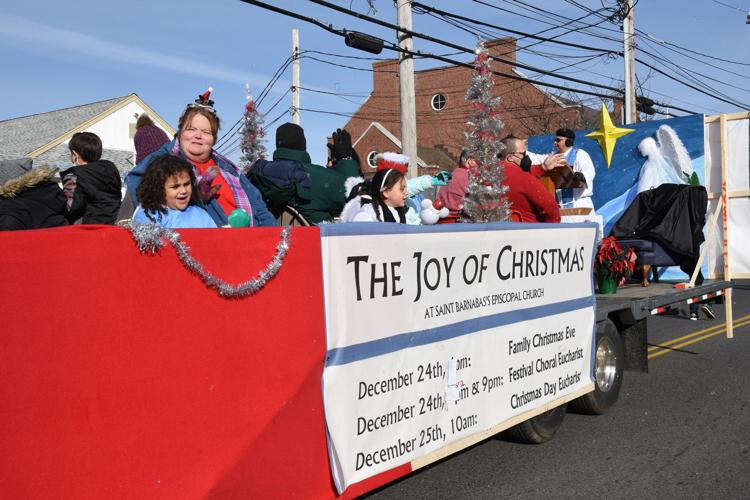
x=392 y=160
x=204 y=100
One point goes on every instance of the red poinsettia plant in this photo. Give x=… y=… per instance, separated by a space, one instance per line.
x=613 y=261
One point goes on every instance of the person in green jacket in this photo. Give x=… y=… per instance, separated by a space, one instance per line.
x=292 y=179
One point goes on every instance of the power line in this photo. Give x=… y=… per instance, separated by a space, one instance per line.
x=393 y=47
x=537 y=10
x=690 y=74
x=328 y=92
x=230 y=141
x=278 y=101
x=515 y=32
x=263 y=93
x=447 y=14
x=452 y=45
x=347 y=66
x=331 y=29
x=734 y=7
x=346 y=56
x=265 y=127
x=720 y=96
x=670 y=45
x=685 y=83
x=665 y=42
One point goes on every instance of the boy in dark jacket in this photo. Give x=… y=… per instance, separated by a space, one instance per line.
x=93 y=186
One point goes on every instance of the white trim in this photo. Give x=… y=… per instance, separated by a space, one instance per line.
x=432 y=101
x=395 y=140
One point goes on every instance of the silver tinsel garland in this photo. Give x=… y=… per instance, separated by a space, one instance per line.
x=150 y=238
x=486 y=199
x=252 y=135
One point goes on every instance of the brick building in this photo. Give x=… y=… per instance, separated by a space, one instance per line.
x=442 y=110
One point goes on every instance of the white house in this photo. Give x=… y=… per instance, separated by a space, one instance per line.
x=44 y=137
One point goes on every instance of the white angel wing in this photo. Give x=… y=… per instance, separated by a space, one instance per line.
x=674 y=150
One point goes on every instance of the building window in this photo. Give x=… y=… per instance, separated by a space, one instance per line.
x=371 y=159
x=438 y=102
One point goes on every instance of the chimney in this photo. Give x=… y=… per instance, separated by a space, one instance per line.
x=503 y=48
x=385 y=77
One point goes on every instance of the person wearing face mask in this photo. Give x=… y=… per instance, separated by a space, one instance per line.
x=525 y=193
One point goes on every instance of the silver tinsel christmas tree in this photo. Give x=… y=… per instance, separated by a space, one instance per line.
x=252 y=135
x=485 y=199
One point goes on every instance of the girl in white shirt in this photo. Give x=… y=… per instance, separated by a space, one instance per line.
x=383 y=200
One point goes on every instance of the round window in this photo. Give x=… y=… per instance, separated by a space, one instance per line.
x=438 y=102
x=371 y=159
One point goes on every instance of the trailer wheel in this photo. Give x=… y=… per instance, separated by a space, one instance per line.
x=608 y=370
x=539 y=429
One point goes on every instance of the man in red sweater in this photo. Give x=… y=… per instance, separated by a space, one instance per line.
x=525 y=193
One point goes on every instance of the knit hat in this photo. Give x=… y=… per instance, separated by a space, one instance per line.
x=12 y=169
x=392 y=160
x=148 y=139
x=291 y=136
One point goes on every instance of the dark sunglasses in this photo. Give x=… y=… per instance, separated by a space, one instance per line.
x=559 y=139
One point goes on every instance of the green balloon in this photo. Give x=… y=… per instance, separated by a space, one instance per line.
x=239 y=218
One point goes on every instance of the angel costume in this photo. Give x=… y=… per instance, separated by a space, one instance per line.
x=666 y=163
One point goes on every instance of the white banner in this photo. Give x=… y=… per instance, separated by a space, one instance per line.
x=437 y=333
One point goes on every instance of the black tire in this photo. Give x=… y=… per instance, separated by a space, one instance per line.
x=608 y=371
x=539 y=429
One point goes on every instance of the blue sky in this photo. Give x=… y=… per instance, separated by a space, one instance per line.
x=58 y=54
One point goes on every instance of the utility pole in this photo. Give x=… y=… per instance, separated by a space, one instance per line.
x=628 y=37
x=406 y=88
x=295 y=76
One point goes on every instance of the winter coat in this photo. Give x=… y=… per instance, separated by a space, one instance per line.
x=261 y=215
x=97 y=192
x=292 y=179
x=32 y=201
x=528 y=197
x=192 y=217
x=367 y=214
x=453 y=194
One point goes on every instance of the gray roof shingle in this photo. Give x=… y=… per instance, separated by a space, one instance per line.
x=21 y=136
x=59 y=157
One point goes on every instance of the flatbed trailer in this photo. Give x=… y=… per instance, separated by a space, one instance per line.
x=622 y=331
x=634 y=302
x=124 y=376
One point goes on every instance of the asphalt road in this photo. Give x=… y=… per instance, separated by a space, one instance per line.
x=680 y=431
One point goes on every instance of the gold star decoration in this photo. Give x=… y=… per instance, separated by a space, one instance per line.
x=608 y=134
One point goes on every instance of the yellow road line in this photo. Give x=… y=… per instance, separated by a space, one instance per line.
x=722 y=326
x=697 y=339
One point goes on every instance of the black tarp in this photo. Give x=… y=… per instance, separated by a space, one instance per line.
x=672 y=215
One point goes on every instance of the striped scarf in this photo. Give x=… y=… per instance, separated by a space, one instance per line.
x=568 y=196
x=230 y=173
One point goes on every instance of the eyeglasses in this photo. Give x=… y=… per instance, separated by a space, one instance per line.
x=559 y=139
